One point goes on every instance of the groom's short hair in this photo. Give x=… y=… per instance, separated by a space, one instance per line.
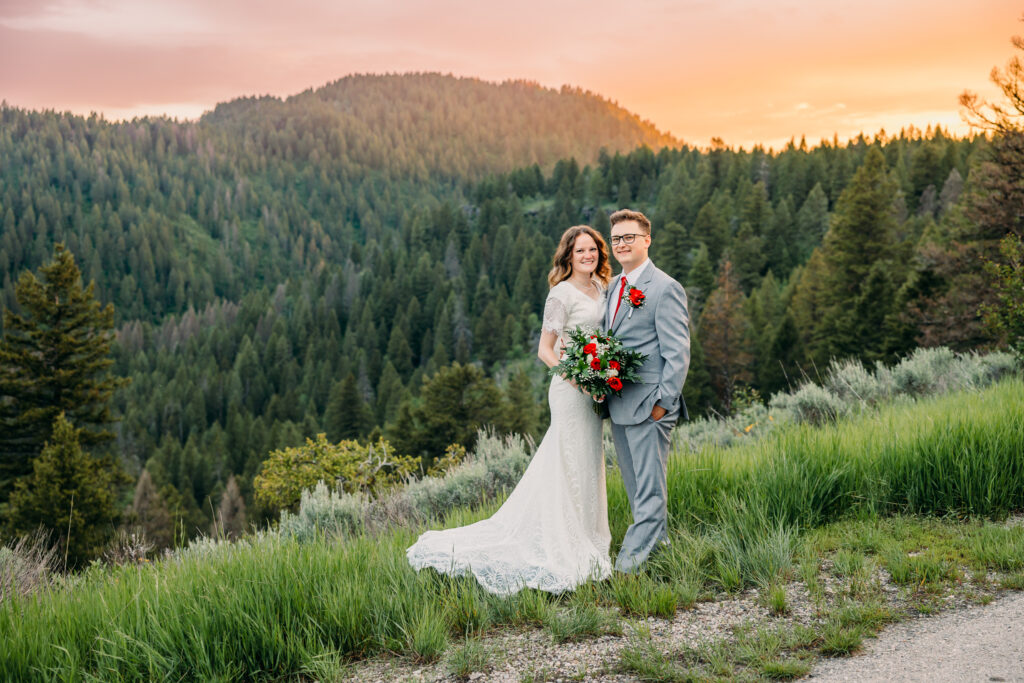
x=629 y=215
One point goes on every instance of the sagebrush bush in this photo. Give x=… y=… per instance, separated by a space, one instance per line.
x=752 y=422
x=812 y=404
x=496 y=465
x=848 y=387
x=26 y=565
x=927 y=372
x=851 y=382
x=325 y=512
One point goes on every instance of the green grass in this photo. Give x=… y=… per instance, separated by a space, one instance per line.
x=472 y=656
x=639 y=595
x=785 y=669
x=581 y=621
x=748 y=516
x=840 y=640
x=774 y=598
x=645 y=662
x=848 y=563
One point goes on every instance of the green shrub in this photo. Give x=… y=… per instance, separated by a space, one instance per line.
x=349 y=465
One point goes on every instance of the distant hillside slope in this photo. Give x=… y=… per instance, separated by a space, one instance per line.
x=432 y=123
x=163 y=214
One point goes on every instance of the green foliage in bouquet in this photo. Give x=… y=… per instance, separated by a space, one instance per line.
x=598 y=363
x=354 y=467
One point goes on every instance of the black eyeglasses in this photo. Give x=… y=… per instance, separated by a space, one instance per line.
x=626 y=239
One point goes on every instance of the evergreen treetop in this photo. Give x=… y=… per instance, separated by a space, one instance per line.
x=54 y=359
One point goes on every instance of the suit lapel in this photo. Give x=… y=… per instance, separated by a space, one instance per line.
x=641 y=284
x=613 y=291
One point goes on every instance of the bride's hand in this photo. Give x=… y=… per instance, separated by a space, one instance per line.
x=581 y=390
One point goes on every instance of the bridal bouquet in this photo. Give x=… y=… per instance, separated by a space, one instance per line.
x=598 y=363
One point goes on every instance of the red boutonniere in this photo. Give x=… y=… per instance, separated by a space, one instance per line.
x=634 y=297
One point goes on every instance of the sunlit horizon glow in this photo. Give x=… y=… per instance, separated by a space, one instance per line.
x=732 y=69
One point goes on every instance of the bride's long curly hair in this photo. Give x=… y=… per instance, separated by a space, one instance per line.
x=562 y=262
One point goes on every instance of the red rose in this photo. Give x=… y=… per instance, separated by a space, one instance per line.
x=614 y=364
x=596 y=364
x=590 y=348
x=615 y=383
x=636 y=296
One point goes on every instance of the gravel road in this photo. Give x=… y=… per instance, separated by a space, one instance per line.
x=977 y=644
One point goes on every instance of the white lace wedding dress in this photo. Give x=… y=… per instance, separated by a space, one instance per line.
x=552 y=531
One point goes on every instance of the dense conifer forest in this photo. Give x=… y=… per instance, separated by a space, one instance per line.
x=324 y=263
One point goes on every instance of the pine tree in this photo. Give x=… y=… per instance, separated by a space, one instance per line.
x=390 y=392
x=69 y=493
x=811 y=223
x=711 y=229
x=232 y=520
x=697 y=391
x=347 y=415
x=864 y=331
x=859 y=242
x=781 y=371
x=452 y=406
x=150 y=513
x=399 y=352
x=671 y=250
x=523 y=413
x=1005 y=317
x=699 y=281
x=862 y=228
x=724 y=326
x=780 y=240
x=53 y=360
x=747 y=255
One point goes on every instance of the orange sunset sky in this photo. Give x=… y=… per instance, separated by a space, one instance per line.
x=747 y=71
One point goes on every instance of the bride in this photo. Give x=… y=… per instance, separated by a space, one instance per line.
x=552 y=531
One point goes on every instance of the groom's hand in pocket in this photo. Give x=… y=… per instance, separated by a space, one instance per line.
x=658 y=413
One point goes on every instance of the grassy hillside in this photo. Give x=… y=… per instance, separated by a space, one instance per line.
x=269 y=607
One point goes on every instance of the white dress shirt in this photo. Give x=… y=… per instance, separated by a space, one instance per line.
x=616 y=284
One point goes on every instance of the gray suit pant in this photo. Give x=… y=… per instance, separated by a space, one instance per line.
x=642 y=452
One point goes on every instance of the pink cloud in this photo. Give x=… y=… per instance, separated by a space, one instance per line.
x=698 y=68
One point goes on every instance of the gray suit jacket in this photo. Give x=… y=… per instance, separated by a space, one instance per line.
x=660 y=329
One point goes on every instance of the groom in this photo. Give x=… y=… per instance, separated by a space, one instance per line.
x=647 y=311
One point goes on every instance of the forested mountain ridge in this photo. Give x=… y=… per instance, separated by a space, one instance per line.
x=427 y=124
x=163 y=214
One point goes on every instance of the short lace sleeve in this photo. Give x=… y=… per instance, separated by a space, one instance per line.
x=556 y=313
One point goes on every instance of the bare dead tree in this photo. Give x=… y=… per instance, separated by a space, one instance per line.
x=1006 y=117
